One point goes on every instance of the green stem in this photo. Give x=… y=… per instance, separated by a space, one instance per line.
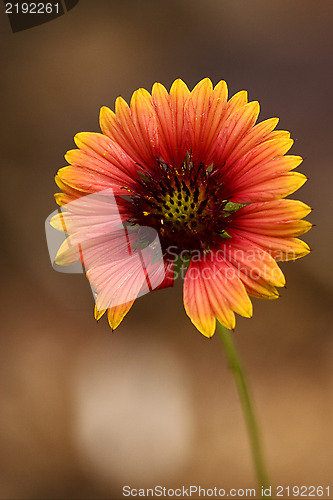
x=244 y=396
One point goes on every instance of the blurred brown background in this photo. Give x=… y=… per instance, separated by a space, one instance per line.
x=84 y=412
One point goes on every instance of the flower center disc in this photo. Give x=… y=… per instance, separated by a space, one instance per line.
x=186 y=206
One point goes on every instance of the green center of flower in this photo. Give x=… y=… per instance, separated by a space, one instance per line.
x=186 y=206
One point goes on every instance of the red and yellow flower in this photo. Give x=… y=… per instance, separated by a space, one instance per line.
x=197 y=168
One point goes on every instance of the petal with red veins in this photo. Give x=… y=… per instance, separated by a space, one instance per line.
x=213 y=290
x=281 y=249
x=254 y=136
x=122 y=129
x=179 y=94
x=117 y=282
x=270 y=189
x=105 y=155
x=234 y=129
x=252 y=260
x=217 y=108
x=144 y=119
x=196 y=111
x=171 y=121
x=276 y=218
x=88 y=181
x=266 y=170
x=196 y=301
x=257 y=158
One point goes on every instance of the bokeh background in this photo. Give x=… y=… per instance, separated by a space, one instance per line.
x=84 y=411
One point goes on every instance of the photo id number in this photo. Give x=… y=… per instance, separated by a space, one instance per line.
x=32 y=8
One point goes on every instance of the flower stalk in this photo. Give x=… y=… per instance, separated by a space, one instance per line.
x=247 y=406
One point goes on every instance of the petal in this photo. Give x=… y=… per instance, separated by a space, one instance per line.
x=62 y=198
x=144 y=119
x=281 y=249
x=256 y=286
x=72 y=191
x=117 y=282
x=196 y=301
x=110 y=127
x=95 y=228
x=288 y=229
x=124 y=128
x=98 y=313
x=213 y=290
x=217 y=108
x=207 y=111
x=276 y=218
x=270 y=189
x=179 y=93
x=252 y=260
x=87 y=181
x=102 y=155
x=165 y=122
x=117 y=313
x=264 y=171
x=171 y=121
x=154 y=272
x=256 y=159
x=254 y=136
x=92 y=248
x=234 y=129
x=228 y=284
x=278 y=210
x=196 y=112
x=237 y=101
x=67 y=254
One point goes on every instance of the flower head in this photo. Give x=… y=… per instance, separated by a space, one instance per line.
x=194 y=167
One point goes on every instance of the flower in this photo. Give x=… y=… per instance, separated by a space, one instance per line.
x=194 y=167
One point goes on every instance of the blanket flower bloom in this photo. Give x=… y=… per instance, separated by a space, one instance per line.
x=196 y=168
